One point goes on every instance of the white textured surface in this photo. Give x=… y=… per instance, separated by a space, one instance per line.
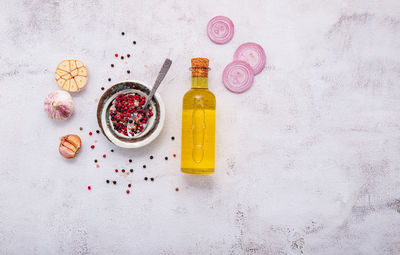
x=307 y=160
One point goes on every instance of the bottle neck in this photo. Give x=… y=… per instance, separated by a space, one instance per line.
x=199 y=82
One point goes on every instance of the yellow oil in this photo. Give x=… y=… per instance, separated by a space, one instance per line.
x=198 y=129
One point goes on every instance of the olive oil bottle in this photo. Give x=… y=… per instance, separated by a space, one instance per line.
x=198 y=123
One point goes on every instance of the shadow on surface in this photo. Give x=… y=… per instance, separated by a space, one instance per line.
x=199 y=181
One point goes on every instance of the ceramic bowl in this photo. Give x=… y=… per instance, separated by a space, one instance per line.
x=155 y=124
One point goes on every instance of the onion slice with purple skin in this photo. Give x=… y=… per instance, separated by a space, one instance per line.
x=253 y=54
x=220 y=29
x=238 y=76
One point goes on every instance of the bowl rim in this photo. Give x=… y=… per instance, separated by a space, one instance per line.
x=147 y=140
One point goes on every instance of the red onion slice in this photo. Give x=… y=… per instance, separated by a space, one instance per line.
x=253 y=54
x=238 y=76
x=220 y=29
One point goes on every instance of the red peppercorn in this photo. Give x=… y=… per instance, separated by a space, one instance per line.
x=127 y=191
x=116 y=170
x=104 y=156
x=90 y=133
x=89 y=188
x=174 y=155
x=116 y=55
x=92 y=146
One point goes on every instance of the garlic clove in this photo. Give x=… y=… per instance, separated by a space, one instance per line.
x=74 y=140
x=69 y=146
x=65 y=152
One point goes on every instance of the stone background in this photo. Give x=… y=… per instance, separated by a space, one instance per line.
x=308 y=159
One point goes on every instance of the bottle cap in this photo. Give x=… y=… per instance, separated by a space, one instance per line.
x=200 y=67
x=200 y=62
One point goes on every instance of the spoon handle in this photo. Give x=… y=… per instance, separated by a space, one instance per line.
x=160 y=77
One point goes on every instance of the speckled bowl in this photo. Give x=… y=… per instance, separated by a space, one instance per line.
x=155 y=124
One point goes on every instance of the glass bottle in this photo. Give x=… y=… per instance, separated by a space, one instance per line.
x=198 y=123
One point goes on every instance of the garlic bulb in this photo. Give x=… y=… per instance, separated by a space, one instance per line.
x=59 y=105
x=69 y=146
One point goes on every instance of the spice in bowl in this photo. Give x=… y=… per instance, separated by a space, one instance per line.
x=127 y=115
x=108 y=120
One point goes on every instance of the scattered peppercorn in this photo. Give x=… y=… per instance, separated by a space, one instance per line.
x=128 y=55
x=122 y=57
x=151 y=157
x=145 y=178
x=144 y=166
x=172 y=138
x=152 y=179
x=112 y=65
x=123 y=33
x=112 y=150
x=89 y=188
x=92 y=146
x=104 y=156
x=166 y=158
x=174 y=155
x=108 y=181
x=109 y=79
x=129 y=185
x=130 y=160
x=115 y=182
x=95 y=161
x=131 y=170
x=97 y=165
x=98 y=131
x=102 y=88
x=90 y=133
x=116 y=170
x=127 y=191
x=176 y=189
x=116 y=55
x=128 y=71
x=81 y=128
x=123 y=170
x=134 y=42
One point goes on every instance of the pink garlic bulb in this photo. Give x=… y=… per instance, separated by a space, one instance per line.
x=59 y=105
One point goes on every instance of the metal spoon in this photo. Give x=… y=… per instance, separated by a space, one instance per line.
x=160 y=77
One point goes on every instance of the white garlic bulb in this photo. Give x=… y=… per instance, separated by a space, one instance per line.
x=59 y=105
